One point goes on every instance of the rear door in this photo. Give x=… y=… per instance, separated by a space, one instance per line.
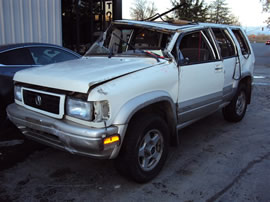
x=247 y=59
x=201 y=76
x=228 y=53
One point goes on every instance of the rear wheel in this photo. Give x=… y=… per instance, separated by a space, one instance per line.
x=236 y=110
x=144 y=149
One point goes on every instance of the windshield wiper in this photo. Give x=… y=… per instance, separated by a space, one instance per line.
x=111 y=50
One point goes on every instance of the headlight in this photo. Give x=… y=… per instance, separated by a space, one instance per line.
x=79 y=109
x=18 y=93
x=90 y=111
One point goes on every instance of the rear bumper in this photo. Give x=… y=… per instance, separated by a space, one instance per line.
x=63 y=134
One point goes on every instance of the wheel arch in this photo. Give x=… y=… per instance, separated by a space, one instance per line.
x=157 y=102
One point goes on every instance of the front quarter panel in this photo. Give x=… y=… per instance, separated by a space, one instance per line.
x=160 y=80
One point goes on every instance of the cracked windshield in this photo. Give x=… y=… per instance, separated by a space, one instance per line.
x=128 y=40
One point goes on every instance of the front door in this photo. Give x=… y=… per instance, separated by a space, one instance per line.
x=201 y=77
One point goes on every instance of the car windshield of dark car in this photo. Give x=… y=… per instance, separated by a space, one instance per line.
x=128 y=40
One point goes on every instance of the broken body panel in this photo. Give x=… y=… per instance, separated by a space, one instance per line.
x=125 y=72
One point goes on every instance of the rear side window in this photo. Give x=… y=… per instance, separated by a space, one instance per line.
x=16 y=57
x=225 y=43
x=242 y=41
x=195 y=48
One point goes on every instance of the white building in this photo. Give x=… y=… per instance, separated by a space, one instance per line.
x=30 y=21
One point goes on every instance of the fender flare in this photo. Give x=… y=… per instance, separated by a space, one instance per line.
x=134 y=105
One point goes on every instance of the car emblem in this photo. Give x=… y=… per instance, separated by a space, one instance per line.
x=38 y=100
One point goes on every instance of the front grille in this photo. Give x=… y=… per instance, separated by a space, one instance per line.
x=41 y=101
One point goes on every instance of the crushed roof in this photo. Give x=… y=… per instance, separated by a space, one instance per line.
x=172 y=26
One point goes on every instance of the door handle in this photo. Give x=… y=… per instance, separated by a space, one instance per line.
x=219 y=68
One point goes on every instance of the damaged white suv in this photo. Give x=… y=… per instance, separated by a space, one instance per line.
x=127 y=98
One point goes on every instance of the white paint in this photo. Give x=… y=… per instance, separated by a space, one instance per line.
x=78 y=75
x=200 y=80
x=129 y=77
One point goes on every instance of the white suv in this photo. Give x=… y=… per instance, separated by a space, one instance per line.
x=127 y=98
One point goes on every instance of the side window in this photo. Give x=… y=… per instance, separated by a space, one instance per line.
x=48 y=55
x=242 y=41
x=225 y=43
x=16 y=57
x=195 y=48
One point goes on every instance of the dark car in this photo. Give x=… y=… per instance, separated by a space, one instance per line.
x=267 y=42
x=15 y=57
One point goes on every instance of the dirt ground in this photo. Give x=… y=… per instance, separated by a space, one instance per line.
x=216 y=161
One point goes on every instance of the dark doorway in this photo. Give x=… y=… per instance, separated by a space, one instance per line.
x=84 y=20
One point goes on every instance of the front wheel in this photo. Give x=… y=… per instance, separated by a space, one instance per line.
x=236 y=110
x=144 y=149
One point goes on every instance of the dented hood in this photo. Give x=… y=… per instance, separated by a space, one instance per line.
x=78 y=75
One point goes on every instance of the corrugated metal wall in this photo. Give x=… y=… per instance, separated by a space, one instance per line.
x=30 y=21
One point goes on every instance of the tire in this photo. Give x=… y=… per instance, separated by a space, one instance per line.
x=145 y=148
x=236 y=110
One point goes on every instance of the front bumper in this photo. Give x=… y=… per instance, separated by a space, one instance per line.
x=63 y=134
